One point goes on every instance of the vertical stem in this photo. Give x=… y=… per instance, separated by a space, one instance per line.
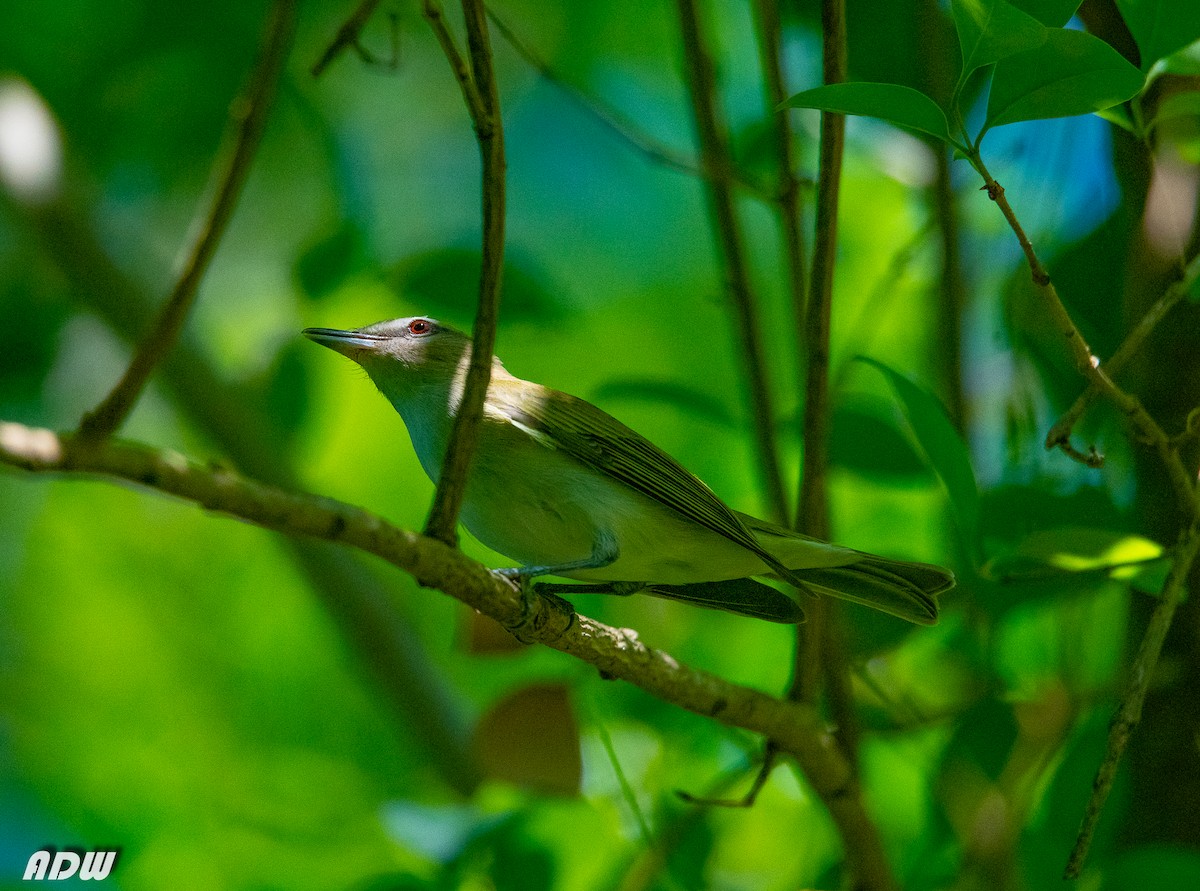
x=787 y=197
x=713 y=137
x=483 y=101
x=814 y=509
x=820 y=652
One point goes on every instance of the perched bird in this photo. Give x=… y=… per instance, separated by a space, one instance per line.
x=567 y=490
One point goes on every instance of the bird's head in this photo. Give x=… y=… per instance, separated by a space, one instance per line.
x=413 y=350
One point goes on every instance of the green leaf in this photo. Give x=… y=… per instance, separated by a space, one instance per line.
x=1051 y=13
x=902 y=106
x=1161 y=27
x=866 y=441
x=1071 y=73
x=1118 y=115
x=943 y=447
x=991 y=30
x=1185 y=63
x=1177 y=105
x=331 y=258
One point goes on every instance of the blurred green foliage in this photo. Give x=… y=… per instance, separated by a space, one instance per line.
x=173 y=683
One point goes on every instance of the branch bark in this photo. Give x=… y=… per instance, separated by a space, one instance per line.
x=395 y=658
x=248 y=115
x=795 y=728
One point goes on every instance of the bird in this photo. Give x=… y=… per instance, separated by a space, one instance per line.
x=566 y=490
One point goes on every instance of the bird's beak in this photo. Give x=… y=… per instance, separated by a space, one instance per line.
x=345 y=342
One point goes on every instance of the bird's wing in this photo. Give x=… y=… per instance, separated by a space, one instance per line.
x=600 y=441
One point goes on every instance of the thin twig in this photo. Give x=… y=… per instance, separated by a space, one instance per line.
x=432 y=11
x=1086 y=362
x=712 y=135
x=610 y=117
x=1060 y=432
x=615 y=652
x=346 y=36
x=1130 y=711
x=787 y=194
x=483 y=102
x=248 y=114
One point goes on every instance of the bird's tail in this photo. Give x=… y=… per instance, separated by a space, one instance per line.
x=907 y=590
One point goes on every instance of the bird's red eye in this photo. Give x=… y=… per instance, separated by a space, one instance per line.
x=419 y=326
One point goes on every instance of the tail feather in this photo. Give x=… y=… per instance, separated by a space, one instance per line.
x=906 y=590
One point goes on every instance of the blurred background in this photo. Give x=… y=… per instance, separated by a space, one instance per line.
x=238 y=710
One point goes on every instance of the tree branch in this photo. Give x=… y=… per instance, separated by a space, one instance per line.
x=248 y=115
x=712 y=135
x=483 y=102
x=1086 y=362
x=615 y=652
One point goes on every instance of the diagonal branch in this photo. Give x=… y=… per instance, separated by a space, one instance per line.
x=613 y=119
x=713 y=137
x=248 y=114
x=1129 y=714
x=1060 y=433
x=795 y=728
x=346 y=36
x=247 y=434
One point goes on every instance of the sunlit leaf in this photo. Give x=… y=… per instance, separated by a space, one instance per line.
x=1072 y=73
x=991 y=30
x=1161 y=27
x=1075 y=549
x=893 y=103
